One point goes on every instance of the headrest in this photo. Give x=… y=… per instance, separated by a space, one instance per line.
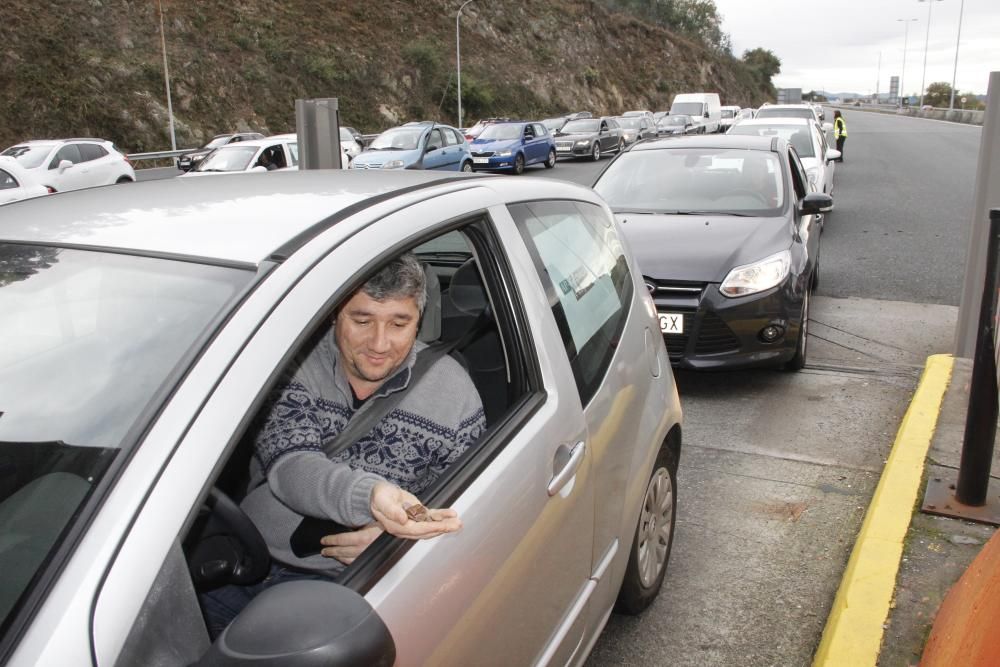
x=466 y=289
x=430 y=323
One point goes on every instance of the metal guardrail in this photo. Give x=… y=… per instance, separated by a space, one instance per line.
x=158 y=155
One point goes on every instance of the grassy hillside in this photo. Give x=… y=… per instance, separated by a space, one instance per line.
x=95 y=67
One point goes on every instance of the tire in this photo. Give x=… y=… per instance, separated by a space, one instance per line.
x=518 y=164
x=621 y=146
x=798 y=362
x=652 y=541
x=123 y=179
x=814 y=283
x=595 y=154
x=467 y=167
x=551 y=162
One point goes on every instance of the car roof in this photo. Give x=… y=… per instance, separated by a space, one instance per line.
x=777 y=120
x=257 y=143
x=710 y=141
x=242 y=218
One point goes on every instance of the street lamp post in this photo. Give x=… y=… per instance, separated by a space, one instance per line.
x=902 y=74
x=954 y=74
x=927 y=39
x=166 y=79
x=458 y=59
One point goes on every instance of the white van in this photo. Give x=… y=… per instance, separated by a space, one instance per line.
x=704 y=108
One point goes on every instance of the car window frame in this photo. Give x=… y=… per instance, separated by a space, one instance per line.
x=799 y=180
x=54 y=164
x=9 y=177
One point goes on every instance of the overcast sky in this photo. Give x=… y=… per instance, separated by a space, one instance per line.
x=835 y=46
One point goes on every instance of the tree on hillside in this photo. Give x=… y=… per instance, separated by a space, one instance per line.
x=698 y=19
x=763 y=63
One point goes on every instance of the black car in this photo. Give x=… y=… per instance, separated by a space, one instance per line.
x=189 y=161
x=726 y=232
x=590 y=138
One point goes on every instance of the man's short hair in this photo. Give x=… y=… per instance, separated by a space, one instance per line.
x=401 y=278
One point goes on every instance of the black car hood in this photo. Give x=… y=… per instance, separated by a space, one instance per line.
x=701 y=248
x=576 y=136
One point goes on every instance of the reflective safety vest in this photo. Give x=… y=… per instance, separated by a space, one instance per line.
x=840 y=128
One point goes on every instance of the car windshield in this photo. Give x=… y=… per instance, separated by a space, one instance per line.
x=689 y=108
x=728 y=113
x=676 y=120
x=89 y=342
x=398 y=139
x=553 y=124
x=630 y=123
x=29 y=156
x=221 y=140
x=582 y=125
x=345 y=134
x=501 y=132
x=231 y=157
x=798 y=135
x=786 y=112
x=712 y=181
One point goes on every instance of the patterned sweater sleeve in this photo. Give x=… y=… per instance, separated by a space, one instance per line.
x=290 y=451
x=468 y=430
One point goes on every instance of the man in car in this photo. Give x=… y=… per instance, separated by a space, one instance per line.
x=297 y=471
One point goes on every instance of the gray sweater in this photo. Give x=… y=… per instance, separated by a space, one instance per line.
x=410 y=446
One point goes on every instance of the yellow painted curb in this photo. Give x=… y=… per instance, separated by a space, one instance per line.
x=853 y=633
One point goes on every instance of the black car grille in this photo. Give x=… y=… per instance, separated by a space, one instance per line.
x=714 y=336
x=482 y=154
x=677 y=343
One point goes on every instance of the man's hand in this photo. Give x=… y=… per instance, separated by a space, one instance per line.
x=388 y=505
x=345 y=547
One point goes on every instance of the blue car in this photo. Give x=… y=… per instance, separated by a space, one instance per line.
x=513 y=146
x=424 y=145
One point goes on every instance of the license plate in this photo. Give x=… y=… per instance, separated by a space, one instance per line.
x=672 y=323
x=481 y=160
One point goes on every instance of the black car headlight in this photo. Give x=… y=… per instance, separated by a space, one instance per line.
x=757 y=277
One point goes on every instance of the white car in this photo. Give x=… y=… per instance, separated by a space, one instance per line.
x=272 y=153
x=809 y=141
x=143 y=330
x=729 y=116
x=16 y=182
x=349 y=146
x=71 y=164
x=808 y=111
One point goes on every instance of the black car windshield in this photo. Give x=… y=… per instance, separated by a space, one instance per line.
x=89 y=338
x=399 y=139
x=706 y=180
x=553 y=124
x=231 y=157
x=798 y=135
x=501 y=132
x=688 y=108
x=676 y=120
x=582 y=125
x=786 y=112
x=30 y=155
x=220 y=140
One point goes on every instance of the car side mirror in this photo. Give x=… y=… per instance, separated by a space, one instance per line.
x=64 y=165
x=300 y=623
x=706 y=114
x=259 y=168
x=832 y=154
x=815 y=202
x=827 y=127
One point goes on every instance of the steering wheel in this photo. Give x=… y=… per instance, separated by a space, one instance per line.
x=228 y=548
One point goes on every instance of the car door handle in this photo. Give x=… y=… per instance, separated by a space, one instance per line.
x=565 y=465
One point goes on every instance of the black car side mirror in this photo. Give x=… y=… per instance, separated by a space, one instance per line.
x=706 y=114
x=302 y=624
x=815 y=202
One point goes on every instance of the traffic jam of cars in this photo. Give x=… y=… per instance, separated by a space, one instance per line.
x=160 y=320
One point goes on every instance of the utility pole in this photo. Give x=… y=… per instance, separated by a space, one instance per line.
x=927 y=41
x=902 y=74
x=166 y=78
x=878 y=75
x=458 y=59
x=954 y=74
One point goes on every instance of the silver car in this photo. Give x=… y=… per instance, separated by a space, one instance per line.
x=143 y=328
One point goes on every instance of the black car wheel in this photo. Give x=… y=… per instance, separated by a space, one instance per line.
x=467 y=167
x=596 y=154
x=798 y=362
x=518 y=164
x=551 y=162
x=654 y=536
x=621 y=146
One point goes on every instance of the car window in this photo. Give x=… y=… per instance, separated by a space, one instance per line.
x=90 y=152
x=77 y=329
x=68 y=152
x=459 y=139
x=540 y=130
x=435 y=141
x=7 y=181
x=30 y=156
x=799 y=178
x=581 y=263
x=449 y=137
x=293 y=152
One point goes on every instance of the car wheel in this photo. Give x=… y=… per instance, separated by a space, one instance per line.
x=654 y=536
x=596 y=153
x=518 y=164
x=798 y=362
x=551 y=162
x=123 y=179
x=814 y=283
x=621 y=146
x=467 y=167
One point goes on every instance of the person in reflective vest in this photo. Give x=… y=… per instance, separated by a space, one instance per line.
x=840 y=132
